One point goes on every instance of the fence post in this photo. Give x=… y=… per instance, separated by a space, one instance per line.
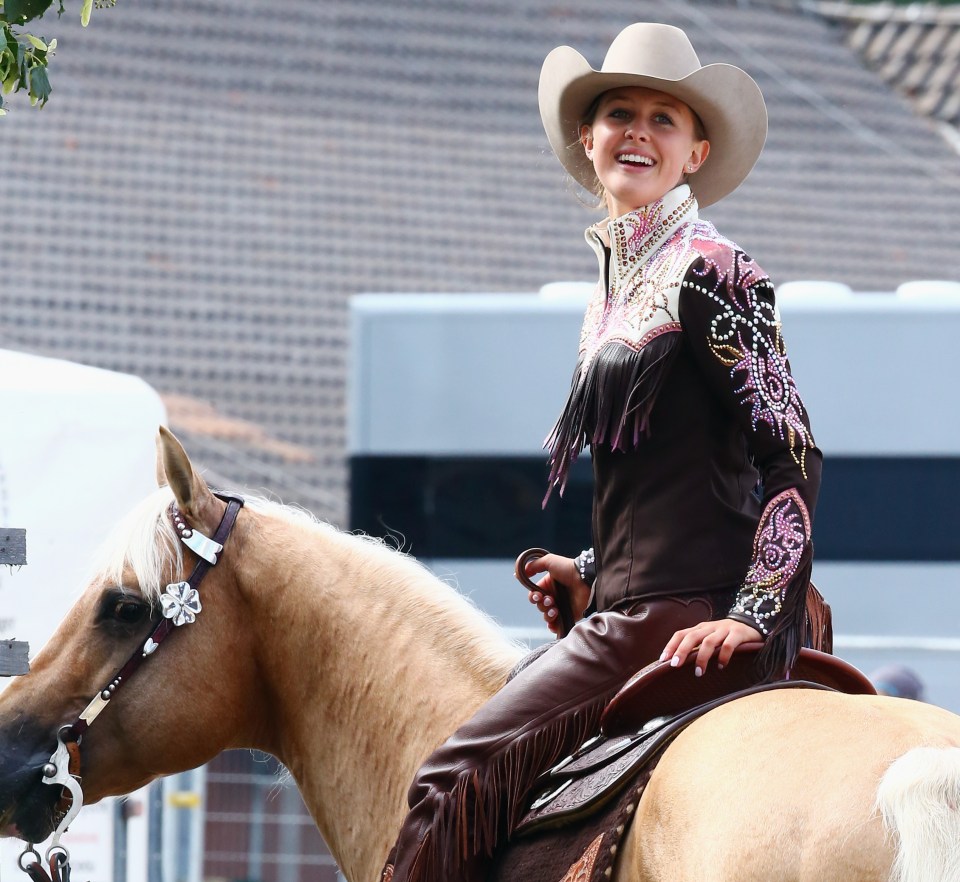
x=155 y=832
x=14 y=654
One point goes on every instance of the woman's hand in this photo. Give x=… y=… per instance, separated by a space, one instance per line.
x=558 y=570
x=705 y=639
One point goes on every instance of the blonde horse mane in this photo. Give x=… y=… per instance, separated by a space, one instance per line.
x=145 y=542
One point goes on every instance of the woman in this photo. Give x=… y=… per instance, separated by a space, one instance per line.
x=684 y=394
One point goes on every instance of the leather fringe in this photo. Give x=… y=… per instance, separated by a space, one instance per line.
x=609 y=403
x=819 y=622
x=484 y=806
x=792 y=629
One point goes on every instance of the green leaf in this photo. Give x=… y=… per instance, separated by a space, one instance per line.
x=39 y=86
x=20 y=11
x=85 y=12
x=37 y=42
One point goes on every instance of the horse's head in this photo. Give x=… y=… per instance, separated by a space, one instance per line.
x=186 y=701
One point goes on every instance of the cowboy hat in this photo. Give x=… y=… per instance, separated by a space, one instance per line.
x=658 y=56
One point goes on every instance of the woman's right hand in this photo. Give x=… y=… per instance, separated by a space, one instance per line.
x=557 y=569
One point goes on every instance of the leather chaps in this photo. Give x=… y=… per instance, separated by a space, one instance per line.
x=472 y=791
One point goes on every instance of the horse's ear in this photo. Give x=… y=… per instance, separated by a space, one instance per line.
x=174 y=468
x=161 y=471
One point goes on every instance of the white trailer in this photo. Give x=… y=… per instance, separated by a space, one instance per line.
x=76 y=453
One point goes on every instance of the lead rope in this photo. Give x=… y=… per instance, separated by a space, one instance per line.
x=180 y=604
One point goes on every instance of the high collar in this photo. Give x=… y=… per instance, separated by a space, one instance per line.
x=636 y=235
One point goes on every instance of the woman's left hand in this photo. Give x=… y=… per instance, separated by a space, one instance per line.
x=707 y=638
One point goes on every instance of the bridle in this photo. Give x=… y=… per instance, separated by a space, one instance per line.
x=180 y=604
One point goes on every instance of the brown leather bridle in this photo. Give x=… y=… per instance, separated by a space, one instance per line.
x=180 y=603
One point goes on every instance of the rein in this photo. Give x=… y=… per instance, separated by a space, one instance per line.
x=180 y=604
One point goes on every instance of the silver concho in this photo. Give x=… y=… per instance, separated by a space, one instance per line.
x=180 y=603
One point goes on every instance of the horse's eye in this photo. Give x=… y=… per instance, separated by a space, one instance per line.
x=128 y=612
x=121 y=609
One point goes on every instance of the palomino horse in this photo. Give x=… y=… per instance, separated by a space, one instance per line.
x=350 y=662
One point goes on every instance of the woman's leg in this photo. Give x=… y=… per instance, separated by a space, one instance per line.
x=472 y=789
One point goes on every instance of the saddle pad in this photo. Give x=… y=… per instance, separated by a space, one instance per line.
x=585 y=853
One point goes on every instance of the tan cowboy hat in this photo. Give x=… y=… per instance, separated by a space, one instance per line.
x=658 y=56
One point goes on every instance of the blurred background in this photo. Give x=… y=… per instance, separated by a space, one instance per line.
x=212 y=184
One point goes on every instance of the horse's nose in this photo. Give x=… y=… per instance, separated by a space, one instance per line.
x=27 y=805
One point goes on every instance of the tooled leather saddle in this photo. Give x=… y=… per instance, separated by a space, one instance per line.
x=650 y=711
x=581 y=809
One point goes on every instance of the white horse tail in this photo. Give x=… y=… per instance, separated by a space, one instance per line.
x=919 y=800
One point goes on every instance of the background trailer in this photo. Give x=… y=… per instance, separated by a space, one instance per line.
x=76 y=453
x=452 y=396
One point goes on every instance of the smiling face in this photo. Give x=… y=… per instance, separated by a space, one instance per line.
x=641 y=143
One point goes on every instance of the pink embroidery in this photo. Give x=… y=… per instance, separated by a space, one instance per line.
x=671 y=327
x=732 y=266
x=745 y=336
x=650 y=251
x=778 y=546
x=642 y=223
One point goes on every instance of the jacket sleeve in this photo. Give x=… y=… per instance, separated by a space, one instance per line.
x=730 y=319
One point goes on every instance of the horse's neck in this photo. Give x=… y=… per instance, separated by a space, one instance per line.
x=365 y=680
